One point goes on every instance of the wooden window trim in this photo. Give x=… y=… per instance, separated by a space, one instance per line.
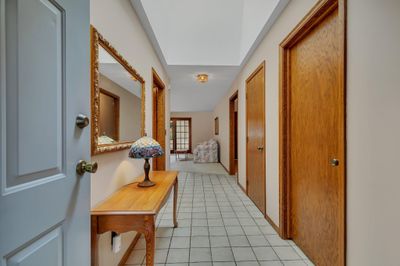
x=174 y=119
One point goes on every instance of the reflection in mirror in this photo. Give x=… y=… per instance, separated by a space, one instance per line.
x=120 y=102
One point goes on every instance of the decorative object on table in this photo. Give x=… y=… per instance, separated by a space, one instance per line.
x=146 y=148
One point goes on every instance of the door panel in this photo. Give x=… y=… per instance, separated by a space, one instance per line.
x=255 y=106
x=44 y=48
x=315 y=104
x=48 y=248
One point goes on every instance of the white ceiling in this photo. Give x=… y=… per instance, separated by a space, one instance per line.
x=209 y=36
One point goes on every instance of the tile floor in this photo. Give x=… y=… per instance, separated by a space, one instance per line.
x=190 y=166
x=218 y=225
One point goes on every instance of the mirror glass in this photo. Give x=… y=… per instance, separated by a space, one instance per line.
x=120 y=102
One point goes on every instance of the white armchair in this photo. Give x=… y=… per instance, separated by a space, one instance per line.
x=206 y=152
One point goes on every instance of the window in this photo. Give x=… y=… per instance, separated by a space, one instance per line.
x=181 y=135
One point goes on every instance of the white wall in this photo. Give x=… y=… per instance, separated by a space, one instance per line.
x=268 y=51
x=118 y=23
x=202 y=125
x=373 y=131
x=373 y=127
x=222 y=112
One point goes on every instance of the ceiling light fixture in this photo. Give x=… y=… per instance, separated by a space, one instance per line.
x=202 y=78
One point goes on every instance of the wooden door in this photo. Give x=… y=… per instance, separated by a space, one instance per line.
x=313 y=81
x=255 y=116
x=159 y=125
x=45 y=84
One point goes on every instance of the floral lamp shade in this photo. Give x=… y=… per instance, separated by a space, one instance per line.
x=145 y=148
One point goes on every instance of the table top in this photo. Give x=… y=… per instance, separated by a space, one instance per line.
x=131 y=199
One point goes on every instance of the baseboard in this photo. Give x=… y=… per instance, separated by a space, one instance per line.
x=240 y=185
x=129 y=250
x=224 y=167
x=276 y=228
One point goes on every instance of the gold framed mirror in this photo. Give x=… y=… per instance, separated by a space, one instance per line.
x=117 y=98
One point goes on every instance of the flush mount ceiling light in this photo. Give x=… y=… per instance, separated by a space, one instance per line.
x=202 y=78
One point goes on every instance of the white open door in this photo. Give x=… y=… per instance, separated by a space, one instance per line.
x=44 y=85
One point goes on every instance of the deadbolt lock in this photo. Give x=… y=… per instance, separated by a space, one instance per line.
x=84 y=166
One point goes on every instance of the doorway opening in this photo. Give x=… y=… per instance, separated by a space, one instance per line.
x=181 y=136
x=233 y=134
x=159 y=130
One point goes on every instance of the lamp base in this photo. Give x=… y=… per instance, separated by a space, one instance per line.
x=146 y=182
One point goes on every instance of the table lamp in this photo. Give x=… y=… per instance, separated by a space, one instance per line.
x=146 y=148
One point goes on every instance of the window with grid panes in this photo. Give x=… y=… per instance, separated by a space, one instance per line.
x=180 y=134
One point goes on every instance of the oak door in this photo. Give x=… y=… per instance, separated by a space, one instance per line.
x=45 y=84
x=314 y=82
x=255 y=116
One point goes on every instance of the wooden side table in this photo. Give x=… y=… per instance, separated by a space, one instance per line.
x=133 y=208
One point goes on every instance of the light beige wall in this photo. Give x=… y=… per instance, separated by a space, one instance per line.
x=373 y=128
x=373 y=131
x=268 y=51
x=202 y=125
x=222 y=112
x=118 y=23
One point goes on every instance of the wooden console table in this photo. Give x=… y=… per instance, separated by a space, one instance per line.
x=133 y=208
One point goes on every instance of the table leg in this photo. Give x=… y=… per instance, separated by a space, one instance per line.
x=150 y=236
x=94 y=238
x=175 y=203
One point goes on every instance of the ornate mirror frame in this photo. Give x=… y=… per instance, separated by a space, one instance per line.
x=96 y=40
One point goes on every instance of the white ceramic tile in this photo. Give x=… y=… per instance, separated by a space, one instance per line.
x=200 y=241
x=243 y=254
x=286 y=253
x=256 y=241
x=200 y=254
x=162 y=242
x=178 y=255
x=222 y=254
x=239 y=241
x=265 y=253
x=180 y=242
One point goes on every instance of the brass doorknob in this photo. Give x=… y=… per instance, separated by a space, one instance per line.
x=82 y=121
x=84 y=166
x=260 y=148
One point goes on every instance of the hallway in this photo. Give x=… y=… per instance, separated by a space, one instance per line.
x=218 y=225
x=188 y=165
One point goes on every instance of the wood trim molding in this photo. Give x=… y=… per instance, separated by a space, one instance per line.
x=320 y=11
x=276 y=228
x=241 y=187
x=97 y=39
x=223 y=166
x=158 y=90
